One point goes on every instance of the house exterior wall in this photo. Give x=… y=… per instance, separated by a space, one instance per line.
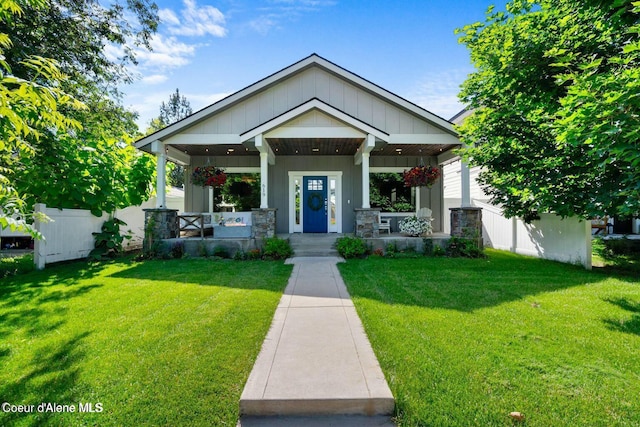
x=312 y=83
x=196 y=198
x=279 y=185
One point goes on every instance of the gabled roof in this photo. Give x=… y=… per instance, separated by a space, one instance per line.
x=310 y=61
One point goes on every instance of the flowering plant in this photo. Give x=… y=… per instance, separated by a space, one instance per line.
x=208 y=175
x=414 y=226
x=421 y=176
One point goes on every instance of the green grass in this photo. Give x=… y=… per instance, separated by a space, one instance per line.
x=466 y=342
x=156 y=343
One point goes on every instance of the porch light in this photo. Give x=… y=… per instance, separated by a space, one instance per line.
x=315 y=150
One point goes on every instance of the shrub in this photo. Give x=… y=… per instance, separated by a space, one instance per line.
x=275 y=248
x=351 y=247
x=254 y=254
x=12 y=266
x=612 y=248
x=177 y=250
x=239 y=255
x=220 y=252
x=463 y=247
x=108 y=242
x=378 y=252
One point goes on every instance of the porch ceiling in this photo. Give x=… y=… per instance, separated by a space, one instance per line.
x=216 y=150
x=412 y=149
x=312 y=147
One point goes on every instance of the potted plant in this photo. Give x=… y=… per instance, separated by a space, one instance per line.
x=421 y=176
x=414 y=226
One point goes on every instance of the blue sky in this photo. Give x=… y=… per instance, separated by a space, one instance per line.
x=209 y=49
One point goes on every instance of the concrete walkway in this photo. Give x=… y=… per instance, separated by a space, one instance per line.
x=316 y=359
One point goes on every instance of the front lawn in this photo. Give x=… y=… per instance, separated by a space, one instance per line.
x=466 y=342
x=154 y=343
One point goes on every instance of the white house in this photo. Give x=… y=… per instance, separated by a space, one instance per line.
x=314 y=132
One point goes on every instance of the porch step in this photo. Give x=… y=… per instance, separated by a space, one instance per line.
x=314 y=245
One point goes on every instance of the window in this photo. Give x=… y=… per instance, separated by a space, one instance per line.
x=315 y=184
x=387 y=192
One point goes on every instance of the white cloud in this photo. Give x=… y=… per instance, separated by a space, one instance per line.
x=263 y=24
x=168 y=16
x=155 y=79
x=195 y=20
x=438 y=92
x=283 y=10
x=168 y=52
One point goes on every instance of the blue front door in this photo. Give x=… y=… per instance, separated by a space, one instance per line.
x=314 y=200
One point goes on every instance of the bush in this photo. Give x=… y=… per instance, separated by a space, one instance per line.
x=177 y=250
x=254 y=254
x=463 y=247
x=220 y=252
x=275 y=248
x=239 y=255
x=351 y=247
x=13 y=266
x=612 y=248
x=108 y=242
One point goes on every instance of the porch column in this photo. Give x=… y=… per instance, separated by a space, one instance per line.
x=264 y=180
x=266 y=157
x=366 y=204
x=161 y=179
x=465 y=184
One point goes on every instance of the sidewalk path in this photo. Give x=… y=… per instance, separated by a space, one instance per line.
x=316 y=358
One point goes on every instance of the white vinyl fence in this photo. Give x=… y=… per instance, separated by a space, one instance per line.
x=550 y=237
x=69 y=233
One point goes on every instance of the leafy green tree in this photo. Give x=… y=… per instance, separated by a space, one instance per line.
x=95 y=168
x=29 y=112
x=75 y=33
x=92 y=166
x=555 y=98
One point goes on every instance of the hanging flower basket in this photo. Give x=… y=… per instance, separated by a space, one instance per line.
x=208 y=176
x=421 y=176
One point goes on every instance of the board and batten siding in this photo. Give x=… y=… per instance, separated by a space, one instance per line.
x=279 y=184
x=312 y=83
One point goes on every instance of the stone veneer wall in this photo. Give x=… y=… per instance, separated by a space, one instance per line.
x=263 y=223
x=367 y=225
x=467 y=223
x=159 y=224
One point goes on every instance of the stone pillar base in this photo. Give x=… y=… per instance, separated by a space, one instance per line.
x=367 y=225
x=159 y=224
x=467 y=223
x=263 y=223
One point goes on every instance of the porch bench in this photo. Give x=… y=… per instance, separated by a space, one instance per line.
x=195 y=222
